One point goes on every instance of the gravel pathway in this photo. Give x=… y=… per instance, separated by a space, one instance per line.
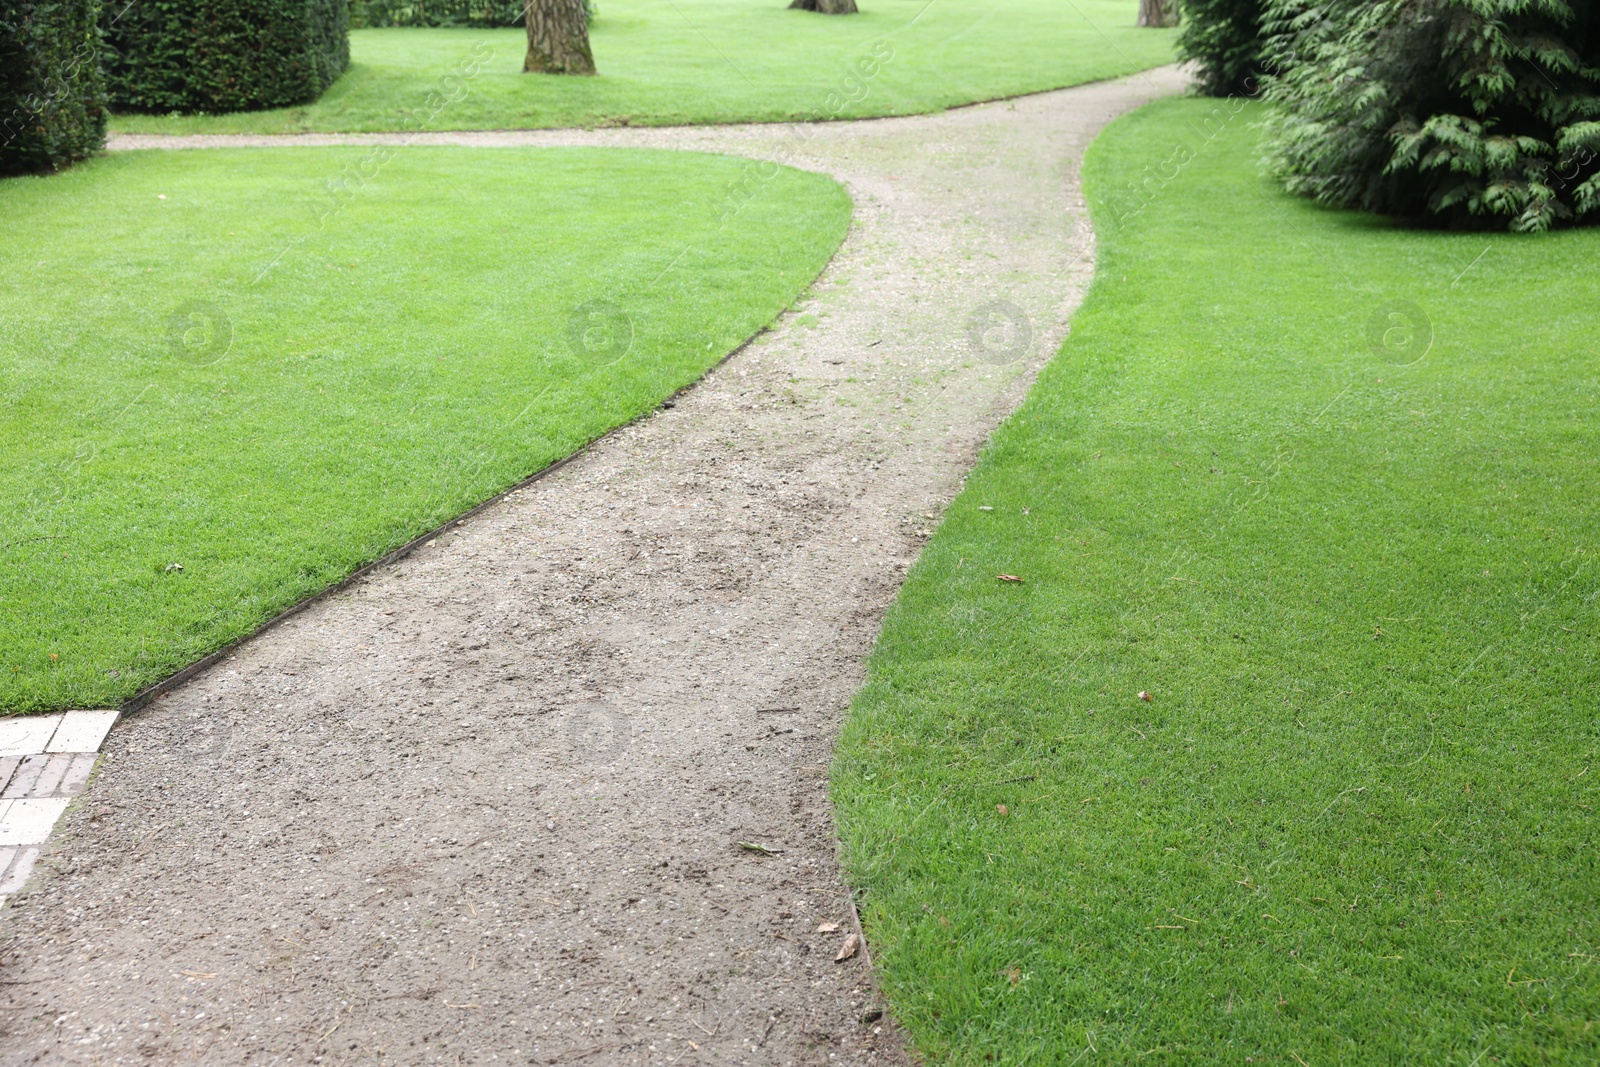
x=486 y=805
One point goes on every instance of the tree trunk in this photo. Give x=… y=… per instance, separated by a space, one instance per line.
x=558 y=38
x=826 y=7
x=1158 y=13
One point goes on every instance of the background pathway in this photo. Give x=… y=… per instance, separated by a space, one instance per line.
x=486 y=805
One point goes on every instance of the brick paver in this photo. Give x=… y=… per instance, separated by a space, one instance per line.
x=45 y=761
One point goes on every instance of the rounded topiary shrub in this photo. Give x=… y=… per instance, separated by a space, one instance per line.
x=52 y=94
x=1449 y=112
x=1222 y=38
x=224 y=55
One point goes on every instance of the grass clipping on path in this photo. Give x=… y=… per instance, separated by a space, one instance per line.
x=1326 y=490
x=677 y=62
x=226 y=387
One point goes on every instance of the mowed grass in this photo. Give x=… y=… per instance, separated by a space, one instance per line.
x=209 y=361
x=669 y=62
x=1355 y=570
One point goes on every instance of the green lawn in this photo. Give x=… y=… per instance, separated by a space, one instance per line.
x=216 y=363
x=666 y=62
x=1355 y=571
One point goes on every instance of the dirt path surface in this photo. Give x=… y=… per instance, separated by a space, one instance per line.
x=486 y=805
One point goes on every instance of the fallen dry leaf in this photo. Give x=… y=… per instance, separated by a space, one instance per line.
x=848 y=949
x=1008 y=578
x=827 y=928
x=1002 y=809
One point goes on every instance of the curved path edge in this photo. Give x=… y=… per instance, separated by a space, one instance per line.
x=552 y=788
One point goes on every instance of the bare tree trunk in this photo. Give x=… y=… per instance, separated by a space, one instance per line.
x=827 y=7
x=558 y=38
x=1158 y=13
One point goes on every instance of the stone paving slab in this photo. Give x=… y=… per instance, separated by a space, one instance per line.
x=23 y=737
x=28 y=822
x=18 y=864
x=82 y=731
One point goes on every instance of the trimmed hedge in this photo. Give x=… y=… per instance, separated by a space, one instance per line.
x=224 y=55
x=486 y=13
x=1451 y=112
x=52 y=92
x=480 y=13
